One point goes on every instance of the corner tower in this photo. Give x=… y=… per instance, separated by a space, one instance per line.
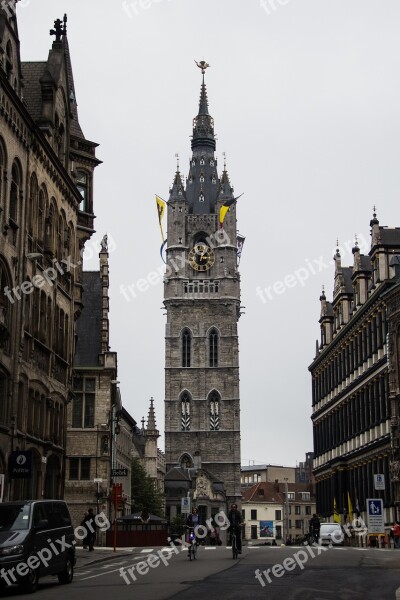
x=202 y=301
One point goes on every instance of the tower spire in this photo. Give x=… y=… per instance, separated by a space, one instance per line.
x=203 y=125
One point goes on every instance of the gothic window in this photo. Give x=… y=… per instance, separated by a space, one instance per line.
x=83 y=403
x=82 y=185
x=41 y=216
x=201 y=178
x=186 y=462
x=201 y=197
x=186 y=348
x=5 y=308
x=213 y=348
x=185 y=412
x=3 y=167
x=202 y=161
x=33 y=202
x=214 y=411
x=4 y=397
x=15 y=190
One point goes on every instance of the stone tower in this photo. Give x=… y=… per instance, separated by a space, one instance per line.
x=202 y=300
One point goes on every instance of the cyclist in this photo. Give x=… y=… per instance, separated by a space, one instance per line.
x=192 y=521
x=315 y=526
x=235 y=523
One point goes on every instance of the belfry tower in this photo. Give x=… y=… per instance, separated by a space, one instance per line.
x=202 y=301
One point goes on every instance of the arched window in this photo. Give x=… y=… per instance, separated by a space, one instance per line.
x=41 y=216
x=186 y=462
x=82 y=185
x=5 y=308
x=213 y=400
x=3 y=170
x=186 y=348
x=185 y=412
x=4 y=380
x=213 y=348
x=15 y=190
x=32 y=203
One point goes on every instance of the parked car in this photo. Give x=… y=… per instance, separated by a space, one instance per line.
x=36 y=539
x=331 y=533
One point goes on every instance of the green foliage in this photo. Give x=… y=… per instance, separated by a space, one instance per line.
x=144 y=495
x=177 y=525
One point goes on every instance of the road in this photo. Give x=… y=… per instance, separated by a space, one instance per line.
x=284 y=573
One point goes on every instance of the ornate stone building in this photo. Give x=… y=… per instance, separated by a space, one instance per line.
x=355 y=380
x=202 y=300
x=46 y=215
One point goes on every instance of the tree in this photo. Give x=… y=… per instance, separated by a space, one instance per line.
x=145 y=496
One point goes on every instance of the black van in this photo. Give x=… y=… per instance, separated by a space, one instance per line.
x=36 y=539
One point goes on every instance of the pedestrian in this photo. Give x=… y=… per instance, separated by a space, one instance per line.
x=315 y=526
x=235 y=525
x=396 y=534
x=90 y=525
x=84 y=540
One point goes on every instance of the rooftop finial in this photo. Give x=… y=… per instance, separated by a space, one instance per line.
x=177 y=161
x=374 y=220
x=224 y=155
x=203 y=65
x=60 y=28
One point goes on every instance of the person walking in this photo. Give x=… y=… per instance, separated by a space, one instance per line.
x=315 y=527
x=396 y=534
x=90 y=526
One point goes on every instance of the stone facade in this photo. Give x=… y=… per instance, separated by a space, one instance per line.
x=355 y=381
x=202 y=300
x=46 y=216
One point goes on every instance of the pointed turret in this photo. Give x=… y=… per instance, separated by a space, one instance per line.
x=177 y=191
x=151 y=420
x=203 y=125
x=202 y=182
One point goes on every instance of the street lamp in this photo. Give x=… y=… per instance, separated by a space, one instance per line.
x=286 y=509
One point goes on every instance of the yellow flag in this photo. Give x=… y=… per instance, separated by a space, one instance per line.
x=161 y=204
x=336 y=516
x=350 y=506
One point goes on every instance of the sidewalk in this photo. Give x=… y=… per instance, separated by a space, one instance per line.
x=99 y=554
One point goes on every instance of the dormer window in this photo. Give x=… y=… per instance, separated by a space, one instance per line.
x=190 y=180
x=193 y=163
x=213 y=179
x=201 y=197
x=201 y=178
x=82 y=185
x=180 y=192
x=202 y=161
x=211 y=162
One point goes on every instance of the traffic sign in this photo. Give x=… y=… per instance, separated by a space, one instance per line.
x=185 y=505
x=379 y=481
x=375 y=520
x=119 y=472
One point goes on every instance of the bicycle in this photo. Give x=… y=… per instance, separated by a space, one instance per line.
x=192 y=548
x=235 y=551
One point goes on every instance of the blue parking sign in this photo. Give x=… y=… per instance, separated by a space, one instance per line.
x=375 y=520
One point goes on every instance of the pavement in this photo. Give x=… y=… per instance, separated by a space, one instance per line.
x=99 y=554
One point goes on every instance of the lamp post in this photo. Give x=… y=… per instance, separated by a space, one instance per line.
x=286 y=509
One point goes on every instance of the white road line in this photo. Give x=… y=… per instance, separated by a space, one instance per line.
x=209 y=548
x=145 y=550
x=81 y=573
x=113 y=564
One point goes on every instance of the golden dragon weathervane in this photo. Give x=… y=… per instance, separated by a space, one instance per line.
x=202 y=65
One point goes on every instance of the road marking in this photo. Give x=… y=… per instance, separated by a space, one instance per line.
x=209 y=548
x=113 y=564
x=148 y=550
x=81 y=573
x=398 y=594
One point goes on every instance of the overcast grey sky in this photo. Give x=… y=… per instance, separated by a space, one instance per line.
x=306 y=100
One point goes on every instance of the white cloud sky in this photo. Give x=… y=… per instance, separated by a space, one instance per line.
x=305 y=95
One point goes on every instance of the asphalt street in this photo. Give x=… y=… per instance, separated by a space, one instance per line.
x=284 y=573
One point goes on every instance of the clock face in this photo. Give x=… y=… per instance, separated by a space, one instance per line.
x=201 y=257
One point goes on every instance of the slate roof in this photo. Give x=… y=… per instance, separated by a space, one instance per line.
x=88 y=345
x=390 y=236
x=32 y=72
x=266 y=491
